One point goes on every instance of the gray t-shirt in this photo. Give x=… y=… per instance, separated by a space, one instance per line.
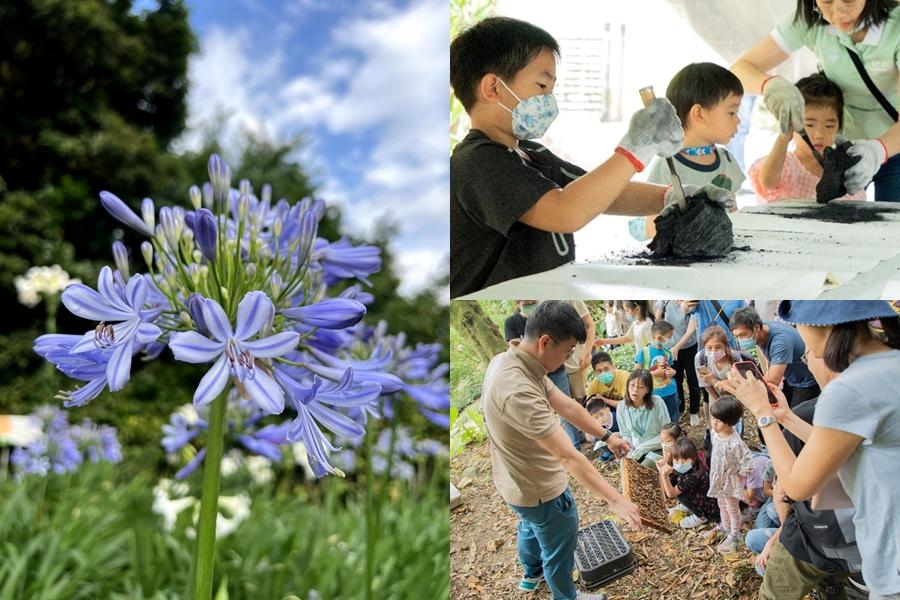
x=675 y=315
x=785 y=347
x=865 y=400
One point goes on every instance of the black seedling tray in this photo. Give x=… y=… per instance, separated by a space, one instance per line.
x=602 y=554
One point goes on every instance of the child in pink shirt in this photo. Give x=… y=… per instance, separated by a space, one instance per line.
x=794 y=175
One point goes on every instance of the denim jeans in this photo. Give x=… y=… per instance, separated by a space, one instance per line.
x=561 y=380
x=546 y=541
x=767 y=516
x=672 y=406
x=756 y=539
x=887 y=181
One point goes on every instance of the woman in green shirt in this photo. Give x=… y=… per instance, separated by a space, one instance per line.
x=829 y=28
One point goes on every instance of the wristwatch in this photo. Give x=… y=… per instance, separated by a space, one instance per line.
x=765 y=421
x=606 y=435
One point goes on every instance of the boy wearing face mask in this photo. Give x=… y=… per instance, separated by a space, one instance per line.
x=606 y=389
x=513 y=204
x=657 y=358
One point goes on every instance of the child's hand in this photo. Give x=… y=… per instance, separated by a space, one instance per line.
x=670 y=373
x=664 y=467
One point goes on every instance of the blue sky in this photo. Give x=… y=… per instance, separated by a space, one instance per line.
x=365 y=82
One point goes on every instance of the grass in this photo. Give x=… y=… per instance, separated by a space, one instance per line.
x=90 y=535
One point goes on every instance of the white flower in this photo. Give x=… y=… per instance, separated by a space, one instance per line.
x=169 y=509
x=302 y=460
x=41 y=280
x=231 y=462
x=189 y=413
x=260 y=469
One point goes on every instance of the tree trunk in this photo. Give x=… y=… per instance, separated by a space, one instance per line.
x=481 y=335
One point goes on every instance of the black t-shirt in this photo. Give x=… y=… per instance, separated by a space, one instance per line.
x=514 y=327
x=491 y=187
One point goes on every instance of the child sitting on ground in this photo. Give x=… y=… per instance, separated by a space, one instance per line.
x=606 y=389
x=641 y=417
x=657 y=358
x=706 y=97
x=729 y=467
x=687 y=479
x=794 y=175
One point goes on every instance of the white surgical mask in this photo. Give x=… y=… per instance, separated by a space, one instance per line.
x=682 y=467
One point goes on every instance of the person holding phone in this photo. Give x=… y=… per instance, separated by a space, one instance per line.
x=782 y=347
x=855 y=433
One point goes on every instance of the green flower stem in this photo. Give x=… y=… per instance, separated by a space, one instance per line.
x=371 y=532
x=209 y=502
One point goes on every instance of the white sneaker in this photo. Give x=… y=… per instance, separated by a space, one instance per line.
x=691 y=521
x=695 y=419
x=678 y=508
x=579 y=595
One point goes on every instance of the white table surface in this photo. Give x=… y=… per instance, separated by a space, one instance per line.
x=788 y=258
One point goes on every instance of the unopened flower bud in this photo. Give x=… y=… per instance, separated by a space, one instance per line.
x=120 y=257
x=148 y=211
x=147 y=251
x=196 y=197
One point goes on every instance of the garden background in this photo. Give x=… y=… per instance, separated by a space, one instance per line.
x=93 y=96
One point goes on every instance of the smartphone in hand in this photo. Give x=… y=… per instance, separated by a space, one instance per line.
x=745 y=366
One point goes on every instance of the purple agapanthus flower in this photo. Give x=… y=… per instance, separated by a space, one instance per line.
x=342 y=260
x=90 y=366
x=310 y=400
x=330 y=313
x=113 y=303
x=234 y=354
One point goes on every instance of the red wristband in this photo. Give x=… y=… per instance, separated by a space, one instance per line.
x=762 y=87
x=637 y=164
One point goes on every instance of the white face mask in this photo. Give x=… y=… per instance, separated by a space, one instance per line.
x=682 y=467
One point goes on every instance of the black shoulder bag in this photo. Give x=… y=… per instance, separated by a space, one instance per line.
x=857 y=62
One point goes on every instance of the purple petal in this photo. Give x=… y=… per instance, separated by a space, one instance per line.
x=212 y=383
x=192 y=465
x=136 y=292
x=148 y=332
x=216 y=320
x=389 y=383
x=88 y=304
x=335 y=421
x=191 y=347
x=274 y=345
x=118 y=370
x=106 y=285
x=84 y=394
x=331 y=313
x=118 y=209
x=253 y=312
x=267 y=394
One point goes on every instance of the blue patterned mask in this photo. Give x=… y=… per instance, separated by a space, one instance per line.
x=533 y=116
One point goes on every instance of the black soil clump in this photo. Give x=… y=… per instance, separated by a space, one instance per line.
x=703 y=231
x=836 y=162
x=840 y=212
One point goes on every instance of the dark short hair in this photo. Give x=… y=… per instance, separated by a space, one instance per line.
x=745 y=317
x=601 y=357
x=818 y=90
x=647 y=379
x=684 y=448
x=674 y=429
x=727 y=409
x=557 y=319
x=705 y=84
x=661 y=328
x=839 y=347
x=498 y=45
x=875 y=12
x=594 y=405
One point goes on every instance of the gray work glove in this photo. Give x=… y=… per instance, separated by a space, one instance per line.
x=713 y=192
x=785 y=102
x=654 y=130
x=872 y=155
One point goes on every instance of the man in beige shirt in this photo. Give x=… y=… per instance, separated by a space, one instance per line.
x=531 y=453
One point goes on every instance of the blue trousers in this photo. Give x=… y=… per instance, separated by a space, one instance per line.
x=546 y=540
x=561 y=380
x=672 y=403
x=887 y=181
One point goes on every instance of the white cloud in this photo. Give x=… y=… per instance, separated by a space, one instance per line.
x=382 y=79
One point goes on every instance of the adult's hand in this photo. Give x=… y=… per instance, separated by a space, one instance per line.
x=628 y=512
x=715 y=193
x=653 y=130
x=749 y=391
x=785 y=102
x=618 y=445
x=872 y=154
x=586 y=359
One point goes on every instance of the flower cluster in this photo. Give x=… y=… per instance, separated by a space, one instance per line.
x=41 y=280
x=407 y=453
x=62 y=448
x=241 y=283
